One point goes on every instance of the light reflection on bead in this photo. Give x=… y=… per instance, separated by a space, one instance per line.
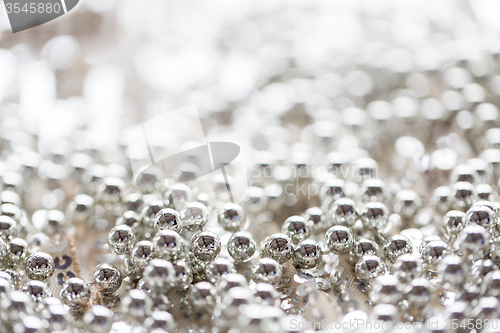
x=268 y=271
x=205 y=245
x=296 y=228
x=241 y=246
x=39 y=266
x=98 y=319
x=339 y=239
x=278 y=247
x=168 y=218
x=369 y=267
x=307 y=254
x=216 y=269
x=121 y=239
x=395 y=246
x=75 y=293
x=107 y=278
x=168 y=245
x=194 y=216
x=232 y=217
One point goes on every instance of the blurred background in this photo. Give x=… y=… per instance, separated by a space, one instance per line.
x=277 y=73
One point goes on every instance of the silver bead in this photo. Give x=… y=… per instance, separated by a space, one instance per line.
x=205 y=245
x=107 y=278
x=194 y=216
x=375 y=215
x=344 y=212
x=98 y=319
x=386 y=313
x=395 y=246
x=160 y=321
x=457 y=311
x=487 y=308
x=168 y=245
x=451 y=271
x=369 y=267
x=17 y=306
x=278 y=247
x=75 y=292
x=231 y=280
x=255 y=200
x=267 y=270
x=485 y=192
x=462 y=195
x=81 y=209
x=7 y=227
x=385 y=289
x=110 y=191
x=149 y=212
x=339 y=239
x=54 y=221
x=365 y=168
x=203 y=296
x=433 y=252
x=490 y=285
x=183 y=275
x=39 y=266
x=364 y=247
x=407 y=267
x=130 y=219
x=159 y=274
x=265 y=294
x=133 y=202
x=17 y=252
x=481 y=268
x=418 y=293
x=473 y=241
x=407 y=203
x=454 y=222
x=464 y=173
x=307 y=254
x=296 y=228
x=317 y=220
x=241 y=246
x=374 y=190
x=30 y=324
x=441 y=199
x=136 y=306
x=228 y=308
x=168 y=218
x=332 y=190
x=37 y=290
x=178 y=195
x=218 y=268
x=483 y=216
x=55 y=314
x=232 y=217
x=142 y=253
x=121 y=239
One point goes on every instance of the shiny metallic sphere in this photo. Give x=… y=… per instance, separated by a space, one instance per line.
x=232 y=217
x=39 y=266
x=278 y=247
x=205 y=245
x=241 y=246
x=267 y=270
x=168 y=245
x=307 y=254
x=107 y=278
x=339 y=239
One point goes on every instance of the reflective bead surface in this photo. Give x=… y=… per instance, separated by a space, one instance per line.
x=241 y=246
